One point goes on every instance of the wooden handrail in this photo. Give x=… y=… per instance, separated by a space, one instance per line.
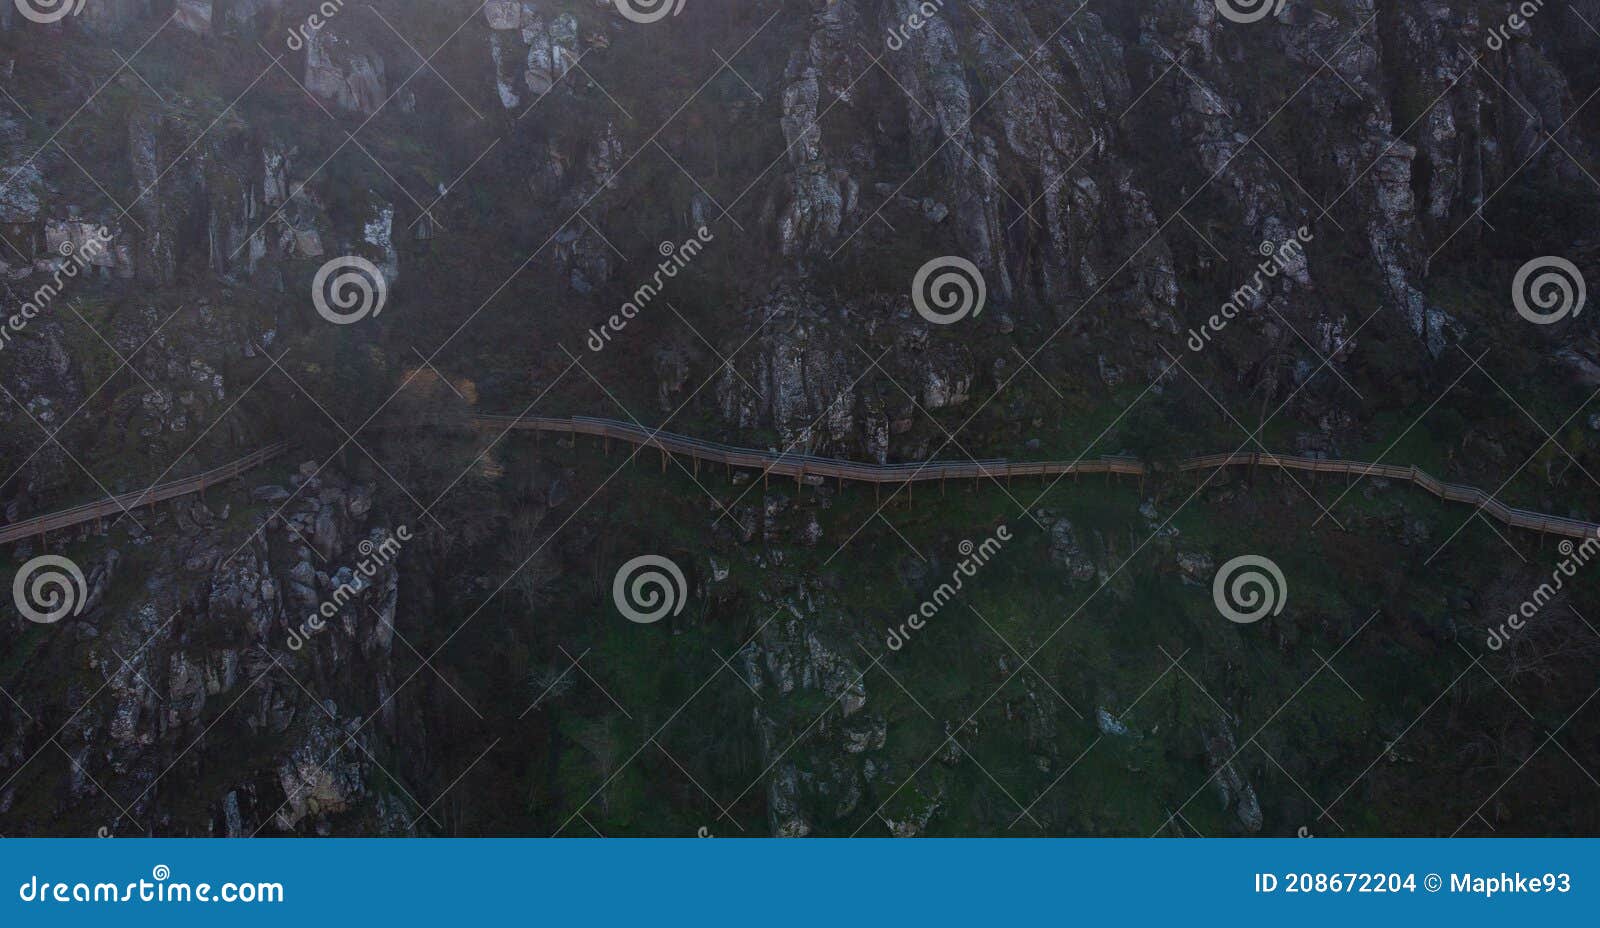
x=1452 y=492
x=117 y=505
x=802 y=466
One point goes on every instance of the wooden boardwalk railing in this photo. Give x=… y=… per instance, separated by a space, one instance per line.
x=1453 y=492
x=117 y=505
x=803 y=466
x=800 y=466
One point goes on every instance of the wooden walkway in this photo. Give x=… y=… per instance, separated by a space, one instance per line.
x=803 y=467
x=1452 y=492
x=42 y=526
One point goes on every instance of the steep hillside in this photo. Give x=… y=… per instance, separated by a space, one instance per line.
x=880 y=230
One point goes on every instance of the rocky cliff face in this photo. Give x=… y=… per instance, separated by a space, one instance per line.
x=1062 y=154
x=194 y=645
x=522 y=172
